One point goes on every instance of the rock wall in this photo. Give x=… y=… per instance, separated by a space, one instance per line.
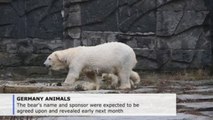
x=165 y=34
x=29 y=31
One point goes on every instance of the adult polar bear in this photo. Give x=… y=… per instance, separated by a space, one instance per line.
x=113 y=57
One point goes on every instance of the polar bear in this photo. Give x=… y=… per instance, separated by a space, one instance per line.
x=113 y=80
x=114 y=57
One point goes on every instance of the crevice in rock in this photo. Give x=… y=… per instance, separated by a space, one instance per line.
x=99 y=20
x=186 y=30
x=183 y=13
x=182 y=62
x=7 y=24
x=137 y=17
x=35 y=9
x=146 y=57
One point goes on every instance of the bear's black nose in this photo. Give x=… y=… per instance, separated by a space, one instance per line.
x=47 y=65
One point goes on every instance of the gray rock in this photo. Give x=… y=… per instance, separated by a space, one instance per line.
x=10 y=60
x=190 y=19
x=202 y=59
x=171 y=5
x=42 y=46
x=11 y=25
x=95 y=38
x=138 y=41
x=162 y=2
x=146 y=42
x=68 y=43
x=132 y=43
x=68 y=10
x=189 y=59
x=204 y=41
x=73 y=19
x=201 y=90
x=183 y=55
x=167 y=22
x=194 y=97
x=70 y=2
x=74 y=33
x=44 y=19
x=99 y=16
x=24 y=46
x=111 y=36
x=136 y=15
x=22 y=72
x=18 y=5
x=175 y=65
x=146 y=64
x=144 y=90
x=197 y=5
x=173 y=22
x=185 y=41
x=5 y=1
x=163 y=57
x=124 y=38
x=145 y=23
x=35 y=60
x=180 y=116
x=178 y=16
x=152 y=59
x=11 y=48
x=22 y=19
x=208 y=113
x=31 y=4
x=197 y=105
x=8 y=14
x=2 y=47
x=146 y=53
x=76 y=43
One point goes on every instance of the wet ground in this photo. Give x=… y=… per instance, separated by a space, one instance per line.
x=194 y=100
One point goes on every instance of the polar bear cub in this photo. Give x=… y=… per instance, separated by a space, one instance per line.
x=113 y=81
x=114 y=57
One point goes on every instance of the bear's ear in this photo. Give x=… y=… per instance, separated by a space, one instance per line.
x=60 y=57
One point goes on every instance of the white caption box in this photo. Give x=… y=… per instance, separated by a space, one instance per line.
x=59 y=104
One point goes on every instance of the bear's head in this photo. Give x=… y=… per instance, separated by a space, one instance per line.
x=56 y=61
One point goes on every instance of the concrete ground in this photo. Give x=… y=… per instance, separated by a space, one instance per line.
x=194 y=101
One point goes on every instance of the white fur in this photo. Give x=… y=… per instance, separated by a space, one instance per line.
x=113 y=80
x=134 y=76
x=114 y=57
x=110 y=80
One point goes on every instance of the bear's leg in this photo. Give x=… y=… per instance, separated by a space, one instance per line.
x=98 y=83
x=92 y=75
x=73 y=74
x=114 y=80
x=124 y=79
x=134 y=76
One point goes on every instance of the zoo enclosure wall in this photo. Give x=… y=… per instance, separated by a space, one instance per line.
x=165 y=34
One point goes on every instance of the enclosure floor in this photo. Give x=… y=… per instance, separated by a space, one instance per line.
x=194 y=100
